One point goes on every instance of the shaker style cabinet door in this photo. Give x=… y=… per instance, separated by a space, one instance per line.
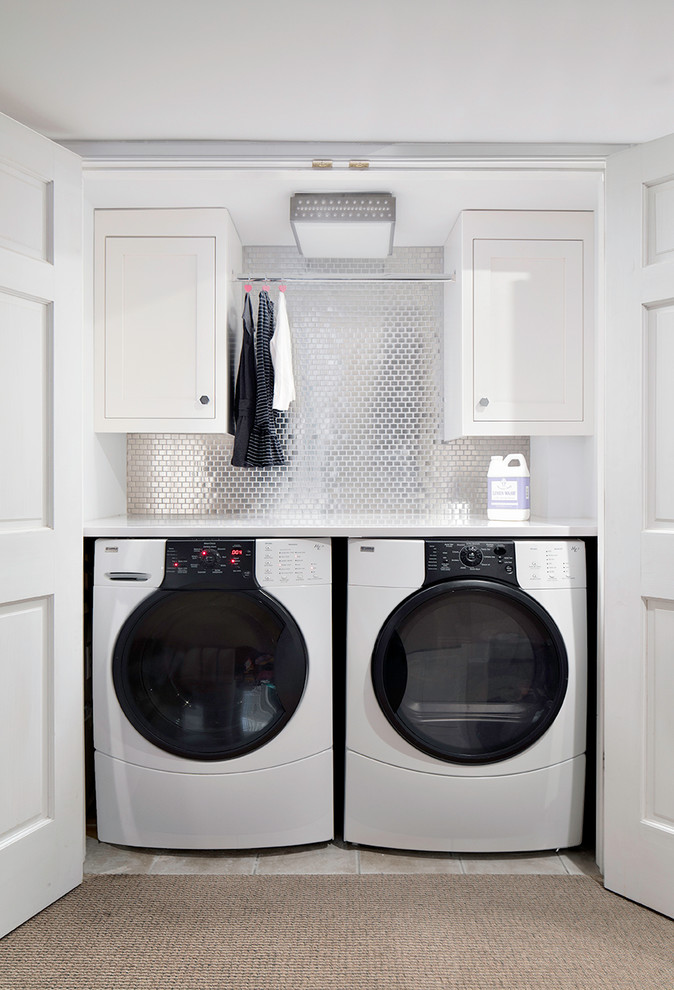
x=163 y=290
x=519 y=324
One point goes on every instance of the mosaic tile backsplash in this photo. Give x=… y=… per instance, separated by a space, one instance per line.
x=362 y=440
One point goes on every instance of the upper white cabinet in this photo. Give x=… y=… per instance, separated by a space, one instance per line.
x=519 y=338
x=164 y=299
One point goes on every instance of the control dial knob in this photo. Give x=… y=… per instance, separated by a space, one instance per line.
x=208 y=557
x=471 y=556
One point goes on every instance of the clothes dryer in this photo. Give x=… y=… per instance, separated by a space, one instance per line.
x=212 y=692
x=466 y=694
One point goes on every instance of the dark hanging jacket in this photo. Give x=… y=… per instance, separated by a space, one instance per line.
x=246 y=388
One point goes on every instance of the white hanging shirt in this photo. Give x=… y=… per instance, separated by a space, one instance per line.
x=281 y=356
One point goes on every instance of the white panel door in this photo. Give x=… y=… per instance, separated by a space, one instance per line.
x=528 y=326
x=639 y=540
x=163 y=310
x=519 y=324
x=41 y=748
x=159 y=327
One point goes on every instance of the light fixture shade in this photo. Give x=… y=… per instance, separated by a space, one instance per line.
x=343 y=225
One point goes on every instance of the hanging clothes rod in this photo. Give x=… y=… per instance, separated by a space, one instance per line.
x=346 y=278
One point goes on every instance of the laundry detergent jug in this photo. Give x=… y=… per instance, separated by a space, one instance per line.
x=508 y=488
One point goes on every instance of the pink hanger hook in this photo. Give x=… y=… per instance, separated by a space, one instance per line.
x=282 y=288
x=248 y=287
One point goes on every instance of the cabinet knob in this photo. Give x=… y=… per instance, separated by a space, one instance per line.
x=483 y=402
x=204 y=400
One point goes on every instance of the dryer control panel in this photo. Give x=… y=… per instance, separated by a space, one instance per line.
x=557 y=564
x=213 y=563
x=494 y=559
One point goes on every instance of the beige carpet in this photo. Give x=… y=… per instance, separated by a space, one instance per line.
x=377 y=932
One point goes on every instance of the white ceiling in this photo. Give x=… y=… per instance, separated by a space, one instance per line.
x=427 y=201
x=577 y=71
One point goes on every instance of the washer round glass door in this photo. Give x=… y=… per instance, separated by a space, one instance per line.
x=470 y=671
x=209 y=675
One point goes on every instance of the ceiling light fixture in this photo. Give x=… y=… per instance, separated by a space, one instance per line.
x=343 y=225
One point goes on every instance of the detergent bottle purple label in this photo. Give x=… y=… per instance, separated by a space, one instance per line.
x=508 y=488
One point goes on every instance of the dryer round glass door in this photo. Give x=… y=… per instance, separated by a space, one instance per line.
x=209 y=675
x=470 y=671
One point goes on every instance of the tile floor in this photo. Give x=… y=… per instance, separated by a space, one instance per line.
x=326 y=858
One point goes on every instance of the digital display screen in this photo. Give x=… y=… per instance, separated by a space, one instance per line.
x=237 y=551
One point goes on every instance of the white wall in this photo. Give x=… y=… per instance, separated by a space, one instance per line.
x=563 y=477
x=104 y=455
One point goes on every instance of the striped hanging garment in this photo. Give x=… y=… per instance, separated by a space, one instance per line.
x=264 y=449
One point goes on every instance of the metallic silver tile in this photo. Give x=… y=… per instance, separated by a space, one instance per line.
x=363 y=439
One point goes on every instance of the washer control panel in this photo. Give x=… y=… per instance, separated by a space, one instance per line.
x=240 y=564
x=494 y=559
x=214 y=563
x=287 y=562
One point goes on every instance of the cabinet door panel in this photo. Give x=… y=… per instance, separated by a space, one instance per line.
x=528 y=330
x=519 y=341
x=160 y=313
x=166 y=310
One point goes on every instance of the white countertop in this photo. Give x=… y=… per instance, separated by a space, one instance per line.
x=205 y=526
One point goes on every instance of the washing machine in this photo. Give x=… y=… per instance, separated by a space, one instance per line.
x=212 y=690
x=466 y=694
